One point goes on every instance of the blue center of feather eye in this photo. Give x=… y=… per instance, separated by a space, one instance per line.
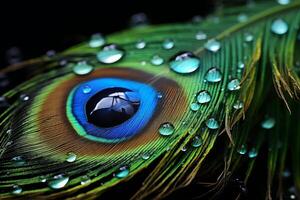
x=111 y=110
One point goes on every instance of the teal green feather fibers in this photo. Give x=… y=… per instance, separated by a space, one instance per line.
x=227 y=90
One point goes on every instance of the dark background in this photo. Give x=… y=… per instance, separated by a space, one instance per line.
x=36 y=27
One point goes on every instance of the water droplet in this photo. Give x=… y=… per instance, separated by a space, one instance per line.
x=71 y=157
x=283 y=2
x=248 y=37
x=241 y=65
x=213 y=75
x=185 y=63
x=201 y=35
x=286 y=173
x=183 y=149
x=159 y=96
x=96 y=40
x=194 y=106
x=197 y=19
x=82 y=68
x=50 y=53
x=233 y=85
x=141 y=44
x=203 y=97
x=18 y=160
x=123 y=172
x=166 y=129
x=212 y=123
x=110 y=54
x=238 y=105
x=268 y=123
x=252 y=153
x=16 y=189
x=242 y=150
x=145 y=156
x=58 y=181
x=43 y=179
x=85 y=179
x=242 y=17
x=197 y=141
x=168 y=44
x=213 y=45
x=138 y=20
x=157 y=60
x=293 y=196
x=279 y=27
x=86 y=89
x=24 y=97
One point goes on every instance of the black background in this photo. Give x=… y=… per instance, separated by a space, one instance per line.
x=36 y=27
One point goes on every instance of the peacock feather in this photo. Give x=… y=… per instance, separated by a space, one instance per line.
x=152 y=110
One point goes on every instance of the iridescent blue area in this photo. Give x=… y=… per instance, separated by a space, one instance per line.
x=79 y=100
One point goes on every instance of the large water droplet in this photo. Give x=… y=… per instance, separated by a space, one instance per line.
x=157 y=60
x=168 y=44
x=97 y=40
x=166 y=129
x=268 y=123
x=110 y=54
x=242 y=150
x=82 y=68
x=203 y=97
x=197 y=141
x=212 y=123
x=195 y=106
x=141 y=44
x=16 y=189
x=112 y=106
x=201 y=35
x=252 y=153
x=233 y=85
x=213 y=75
x=213 y=45
x=71 y=157
x=58 y=181
x=123 y=172
x=85 y=179
x=279 y=27
x=185 y=63
x=283 y=2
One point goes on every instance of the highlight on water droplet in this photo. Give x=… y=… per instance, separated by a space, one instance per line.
x=24 y=97
x=233 y=85
x=141 y=44
x=200 y=35
x=268 y=123
x=185 y=63
x=157 y=60
x=166 y=129
x=16 y=189
x=252 y=153
x=213 y=75
x=85 y=179
x=203 y=97
x=71 y=157
x=168 y=44
x=279 y=27
x=82 y=68
x=212 y=123
x=110 y=53
x=123 y=172
x=195 y=107
x=58 y=181
x=242 y=150
x=213 y=45
x=197 y=141
x=96 y=40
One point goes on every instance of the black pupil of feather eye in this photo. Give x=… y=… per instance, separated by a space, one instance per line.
x=112 y=106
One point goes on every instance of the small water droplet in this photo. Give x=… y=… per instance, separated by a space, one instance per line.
x=286 y=173
x=242 y=17
x=183 y=149
x=185 y=63
x=166 y=129
x=279 y=27
x=139 y=20
x=203 y=97
x=201 y=35
x=123 y=172
x=18 y=160
x=85 y=179
x=238 y=105
x=71 y=157
x=268 y=123
x=213 y=45
x=42 y=179
x=96 y=40
x=252 y=153
x=159 y=96
x=16 y=189
x=197 y=141
x=58 y=181
x=82 y=68
x=110 y=54
x=212 y=123
x=145 y=156
x=86 y=89
x=242 y=150
x=233 y=85
x=194 y=106
x=141 y=44
x=168 y=44
x=248 y=37
x=213 y=75
x=283 y=2
x=24 y=97
x=157 y=60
